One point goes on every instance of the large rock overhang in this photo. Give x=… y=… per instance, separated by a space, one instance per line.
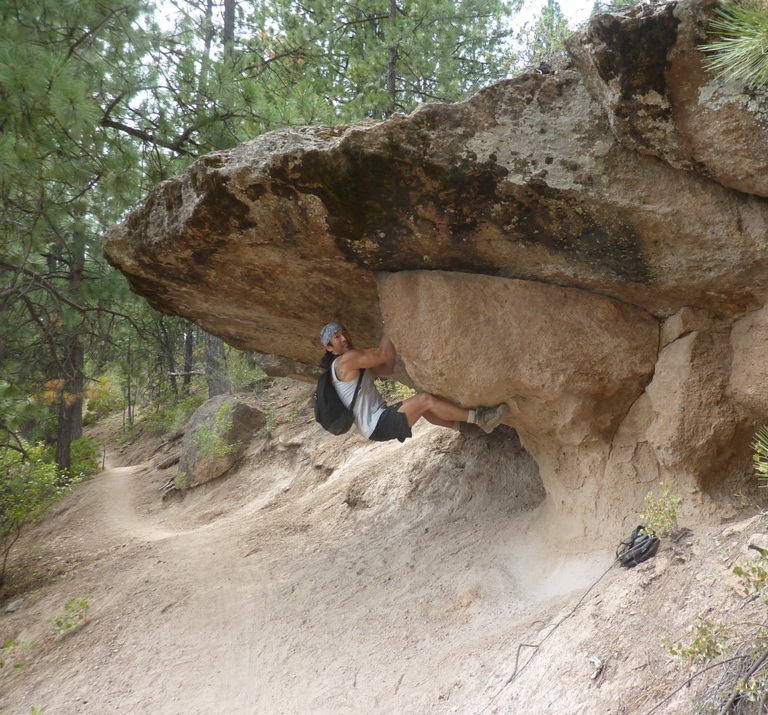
x=265 y=242
x=598 y=196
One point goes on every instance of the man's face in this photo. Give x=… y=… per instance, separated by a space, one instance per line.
x=340 y=342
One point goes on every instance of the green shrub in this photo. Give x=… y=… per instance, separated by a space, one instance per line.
x=737 y=45
x=393 y=391
x=172 y=418
x=102 y=397
x=74 y=614
x=711 y=641
x=85 y=457
x=31 y=485
x=242 y=372
x=760 y=457
x=210 y=441
x=270 y=413
x=16 y=652
x=660 y=515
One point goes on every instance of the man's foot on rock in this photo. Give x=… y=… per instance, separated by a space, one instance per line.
x=489 y=418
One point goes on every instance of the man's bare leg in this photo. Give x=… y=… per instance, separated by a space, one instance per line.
x=446 y=414
x=423 y=403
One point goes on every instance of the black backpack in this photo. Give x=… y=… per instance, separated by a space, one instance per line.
x=641 y=545
x=330 y=411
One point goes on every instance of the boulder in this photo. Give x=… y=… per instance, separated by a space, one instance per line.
x=588 y=246
x=647 y=68
x=216 y=436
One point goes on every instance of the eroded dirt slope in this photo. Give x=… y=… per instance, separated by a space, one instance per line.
x=332 y=575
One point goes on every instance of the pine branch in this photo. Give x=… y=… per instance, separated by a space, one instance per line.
x=40 y=282
x=150 y=138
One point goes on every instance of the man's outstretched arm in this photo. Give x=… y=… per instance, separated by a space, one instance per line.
x=380 y=360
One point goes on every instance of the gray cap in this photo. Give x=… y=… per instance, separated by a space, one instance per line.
x=329 y=331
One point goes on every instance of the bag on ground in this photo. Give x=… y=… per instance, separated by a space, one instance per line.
x=641 y=545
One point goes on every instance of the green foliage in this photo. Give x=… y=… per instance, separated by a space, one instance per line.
x=739 y=48
x=660 y=515
x=393 y=391
x=211 y=440
x=75 y=611
x=709 y=642
x=102 y=397
x=16 y=652
x=542 y=43
x=740 y=649
x=754 y=577
x=86 y=457
x=340 y=61
x=760 y=457
x=30 y=487
x=618 y=5
x=242 y=373
x=179 y=480
x=174 y=417
x=270 y=412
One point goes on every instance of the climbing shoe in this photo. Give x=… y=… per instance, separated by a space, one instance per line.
x=489 y=418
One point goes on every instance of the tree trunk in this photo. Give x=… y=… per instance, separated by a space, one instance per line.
x=170 y=357
x=189 y=352
x=207 y=41
x=68 y=400
x=215 y=367
x=228 y=35
x=392 y=63
x=78 y=391
x=70 y=422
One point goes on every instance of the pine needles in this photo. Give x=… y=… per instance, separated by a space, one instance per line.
x=741 y=52
x=760 y=457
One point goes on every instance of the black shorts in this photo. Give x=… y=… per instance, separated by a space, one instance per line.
x=391 y=425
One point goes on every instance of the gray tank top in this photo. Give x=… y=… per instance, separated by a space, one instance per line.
x=369 y=404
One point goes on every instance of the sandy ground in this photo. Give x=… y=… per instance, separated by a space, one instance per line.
x=332 y=575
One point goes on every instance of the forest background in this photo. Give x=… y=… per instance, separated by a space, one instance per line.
x=102 y=99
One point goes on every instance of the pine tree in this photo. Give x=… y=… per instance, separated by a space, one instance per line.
x=67 y=73
x=543 y=43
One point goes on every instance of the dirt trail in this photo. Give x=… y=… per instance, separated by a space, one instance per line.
x=402 y=580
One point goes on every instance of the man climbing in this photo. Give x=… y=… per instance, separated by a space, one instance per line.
x=373 y=418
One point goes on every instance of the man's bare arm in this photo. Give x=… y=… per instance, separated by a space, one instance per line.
x=380 y=360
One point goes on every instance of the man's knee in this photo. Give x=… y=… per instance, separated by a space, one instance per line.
x=420 y=402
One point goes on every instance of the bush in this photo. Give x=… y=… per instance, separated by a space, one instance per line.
x=74 y=614
x=101 y=398
x=172 y=418
x=760 y=457
x=210 y=441
x=393 y=391
x=30 y=486
x=660 y=515
x=85 y=455
x=242 y=372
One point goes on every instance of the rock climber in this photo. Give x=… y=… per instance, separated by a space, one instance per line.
x=374 y=419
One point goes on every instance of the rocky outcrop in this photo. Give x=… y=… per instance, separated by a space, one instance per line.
x=215 y=438
x=587 y=246
x=648 y=71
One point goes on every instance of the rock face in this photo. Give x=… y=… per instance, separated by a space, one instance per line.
x=216 y=436
x=588 y=246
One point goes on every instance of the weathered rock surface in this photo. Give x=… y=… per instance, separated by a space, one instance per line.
x=648 y=71
x=589 y=247
x=216 y=436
